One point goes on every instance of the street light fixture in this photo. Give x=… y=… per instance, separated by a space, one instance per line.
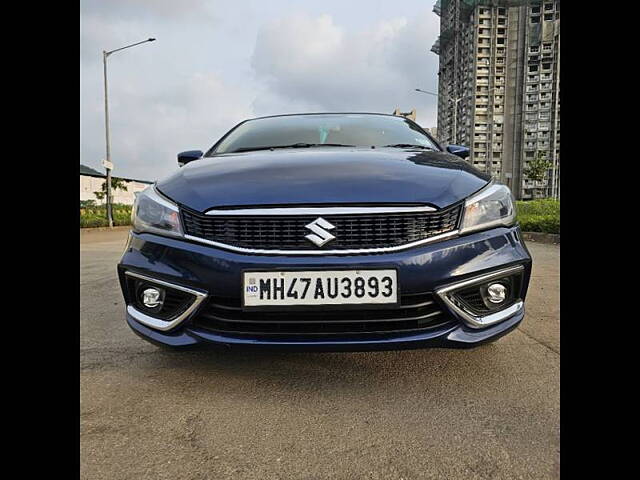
x=107 y=164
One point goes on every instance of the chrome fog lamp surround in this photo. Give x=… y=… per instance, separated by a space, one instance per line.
x=159 y=324
x=480 y=321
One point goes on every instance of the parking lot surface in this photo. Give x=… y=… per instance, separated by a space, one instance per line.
x=147 y=413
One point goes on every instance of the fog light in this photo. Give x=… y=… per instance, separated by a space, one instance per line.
x=151 y=297
x=496 y=293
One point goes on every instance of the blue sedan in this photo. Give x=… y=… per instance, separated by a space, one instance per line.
x=332 y=232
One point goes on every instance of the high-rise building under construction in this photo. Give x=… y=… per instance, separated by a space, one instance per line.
x=499 y=86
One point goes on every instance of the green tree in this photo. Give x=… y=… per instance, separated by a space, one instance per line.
x=116 y=183
x=537 y=171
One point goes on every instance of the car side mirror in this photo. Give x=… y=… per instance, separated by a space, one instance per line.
x=189 y=156
x=459 y=150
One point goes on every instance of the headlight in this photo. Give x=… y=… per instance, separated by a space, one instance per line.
x=491 y=207
x=155 y=214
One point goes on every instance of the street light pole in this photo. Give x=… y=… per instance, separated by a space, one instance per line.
x=455 y=111
x=108 y=165
x=108 y=139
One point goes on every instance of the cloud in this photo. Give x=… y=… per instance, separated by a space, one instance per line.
x=210 y=70
x=105 y=25
x=313 y=63
x=151 y=125
x=157 y=9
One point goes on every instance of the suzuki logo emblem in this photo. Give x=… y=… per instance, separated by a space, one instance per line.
x=319 y=227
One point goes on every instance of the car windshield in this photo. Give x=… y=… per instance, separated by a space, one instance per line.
x=317 y=130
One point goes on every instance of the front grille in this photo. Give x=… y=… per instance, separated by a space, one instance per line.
x=472 y=298
x=353 y=231
x=416 y=313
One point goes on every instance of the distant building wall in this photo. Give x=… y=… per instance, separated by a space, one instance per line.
x=410 y=115
x=90 y=184
x=499 y=86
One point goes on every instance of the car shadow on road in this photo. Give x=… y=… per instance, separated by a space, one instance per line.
x=332 y=372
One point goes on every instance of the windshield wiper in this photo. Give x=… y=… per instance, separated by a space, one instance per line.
x=410 y=145
x=293 y=145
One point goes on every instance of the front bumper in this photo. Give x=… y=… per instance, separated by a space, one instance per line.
x=423 y=269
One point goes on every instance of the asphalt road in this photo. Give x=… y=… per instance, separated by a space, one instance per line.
x=491 y=412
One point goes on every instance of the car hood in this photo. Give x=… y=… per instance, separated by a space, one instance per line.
x=323 y=176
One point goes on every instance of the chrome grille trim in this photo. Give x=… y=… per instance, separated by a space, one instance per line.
x=435 y=238
x=318 y=211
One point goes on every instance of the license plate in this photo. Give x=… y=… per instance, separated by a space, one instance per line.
x=329 y=287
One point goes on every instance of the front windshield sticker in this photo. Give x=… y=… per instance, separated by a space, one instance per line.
x=323 y=134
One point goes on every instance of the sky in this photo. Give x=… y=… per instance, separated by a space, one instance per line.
x=217 y=62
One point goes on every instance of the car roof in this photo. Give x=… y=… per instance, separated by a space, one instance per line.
x=324 y=113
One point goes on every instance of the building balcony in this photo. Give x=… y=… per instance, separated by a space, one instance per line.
x=437 y=8
x=435 y=48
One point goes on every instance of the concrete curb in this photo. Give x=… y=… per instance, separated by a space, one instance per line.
x=541 y=237
x=103 y=229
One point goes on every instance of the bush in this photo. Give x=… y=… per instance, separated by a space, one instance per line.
x=96 y=216
x=87 y=203
x=539 y=215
